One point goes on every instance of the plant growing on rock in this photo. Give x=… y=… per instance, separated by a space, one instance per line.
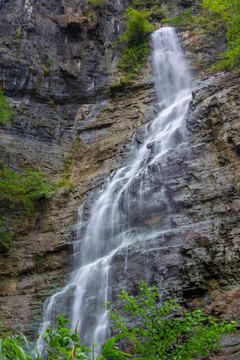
x=165 y=331
x=135 y=42
x=228 y=11
x=96 y=2
x=25 y=187
x=5 y=110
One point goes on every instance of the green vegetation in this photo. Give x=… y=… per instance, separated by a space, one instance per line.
x=215 y=16
x=6 y=236
x=51 y=103
x=228 y=12
x=68 y=159
x=45 y=62
x=62 y=343
x=154 y=8
x=166 y=331
x=59 y=343
x=135 y=42
x=146 y=4
x=160 y=332
x=14 y=347
x=18 y=33
x=25 y=187
x=96 y=2
x=5 y=110
x=184 y=19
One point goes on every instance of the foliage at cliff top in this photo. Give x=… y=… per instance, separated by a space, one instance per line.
x=163 y=330
x=229 y=13
x=5 y=110
x=135 y=41
x=24 y=187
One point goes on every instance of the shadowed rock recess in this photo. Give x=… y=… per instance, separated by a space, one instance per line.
x=56 y=74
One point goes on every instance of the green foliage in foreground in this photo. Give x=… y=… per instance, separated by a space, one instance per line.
x=229 y=13
x=160 y=332
x=135 y=41
x=59 y=343
x=62 y=343
x=5 y=110
x=14 y=347
x=166 y=332
x=25 y=187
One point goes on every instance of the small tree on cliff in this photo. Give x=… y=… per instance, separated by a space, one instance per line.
x=135 y=41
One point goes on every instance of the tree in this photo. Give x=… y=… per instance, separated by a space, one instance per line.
x=165 y=331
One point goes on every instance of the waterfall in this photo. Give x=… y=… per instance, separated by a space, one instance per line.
x=115 y=220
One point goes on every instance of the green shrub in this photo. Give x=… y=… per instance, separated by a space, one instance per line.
x=228 y=11
x=166 y=331
x=14 y=347
x=5 y=110
x=138 y=27
x=25 y=187
x=62 y=343
x=135 y=41
x=184 y=19
x=59 y=343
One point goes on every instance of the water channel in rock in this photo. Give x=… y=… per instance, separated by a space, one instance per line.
x=129 y=194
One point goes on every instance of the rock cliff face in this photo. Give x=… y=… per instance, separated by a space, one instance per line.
x=65 y=56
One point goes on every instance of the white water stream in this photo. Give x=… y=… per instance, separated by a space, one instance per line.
x=112 y=226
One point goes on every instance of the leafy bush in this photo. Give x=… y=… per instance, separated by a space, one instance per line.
x=5 y=110
x=14 y=347
x=138 y=27
x=135 y=41
x=25 y=187
x=229 y=13
x=59 y=343
x=184 y=19
x=62 y=343
x=166 y=332
x=159 y=332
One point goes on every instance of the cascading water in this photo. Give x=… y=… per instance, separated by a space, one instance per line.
x=115 y=218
